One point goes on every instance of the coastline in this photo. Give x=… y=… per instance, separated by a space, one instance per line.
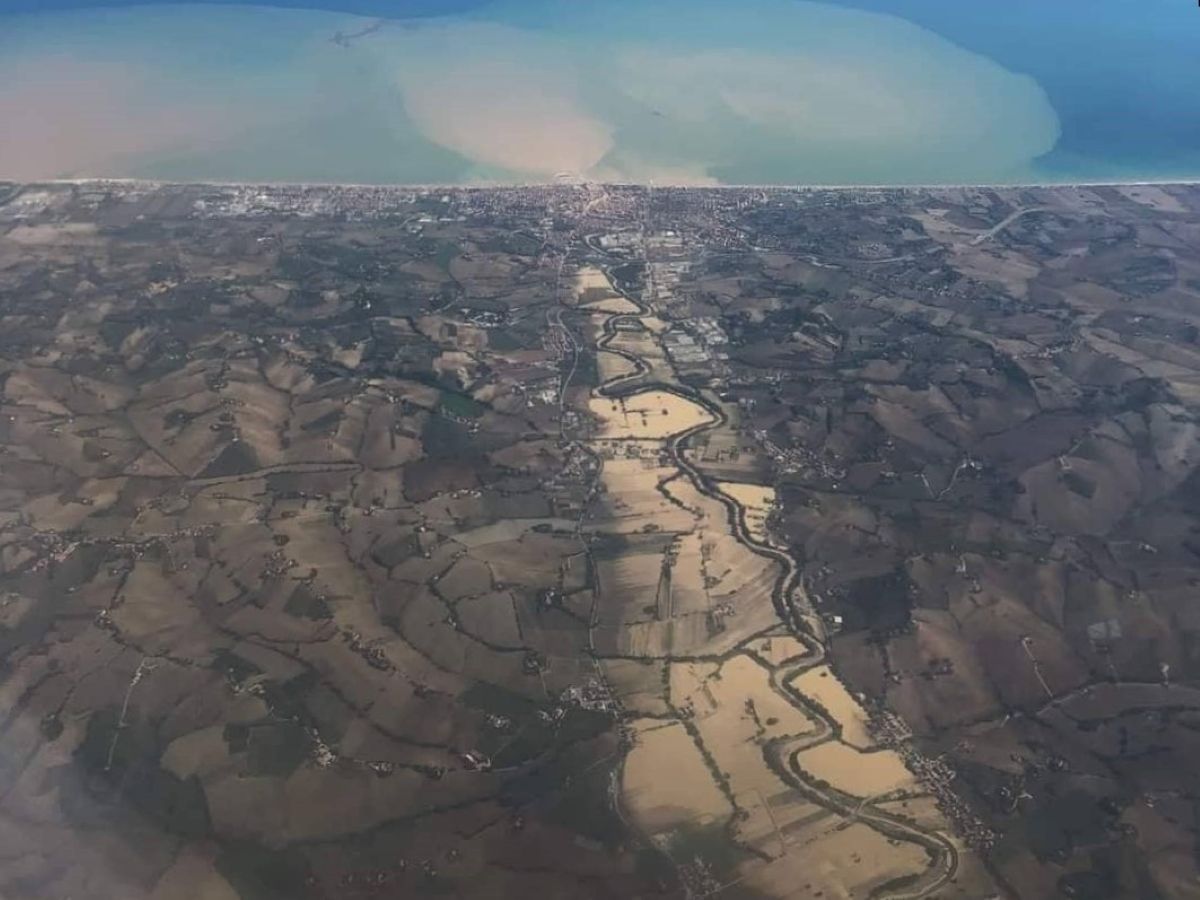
x=518 y=185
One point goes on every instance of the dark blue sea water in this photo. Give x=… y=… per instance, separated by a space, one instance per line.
x=1122 y=75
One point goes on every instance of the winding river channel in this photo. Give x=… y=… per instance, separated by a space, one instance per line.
x=781 y=753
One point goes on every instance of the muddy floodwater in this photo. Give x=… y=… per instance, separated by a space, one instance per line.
x=649 y=415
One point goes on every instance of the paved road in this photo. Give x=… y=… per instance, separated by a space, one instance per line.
x=1004 y=223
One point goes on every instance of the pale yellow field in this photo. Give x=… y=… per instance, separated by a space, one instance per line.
x=645 y=347
x=855 y=773
x=639 y=684
x=756 y=500
x=821 y=685
x=589 y=278
x=647 y=416
x=654 y=324
x=665 y=782
x=759 y=824
x=688 y=592
x=616 y=305
x=739 y=577
x=613 y=365
x=777 y=649
x=733 y=573
x=743 y=691
x=632 y=500
x=835 y=862
x=631 y=583
x=593 y=291
x=691 y=688
x=737 y=713
x=685 y=635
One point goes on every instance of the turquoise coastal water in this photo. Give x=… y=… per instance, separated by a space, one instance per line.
x=769 y=91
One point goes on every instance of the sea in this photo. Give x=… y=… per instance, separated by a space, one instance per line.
x=843 y=92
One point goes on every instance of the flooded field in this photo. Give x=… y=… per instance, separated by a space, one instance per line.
x=856 y=773
x=757 y=500
x=832 y=860
x=687 y=602
x=590 y=285
x=632 y=501
x=822 y=686
x=735 y=707
x=646 y=416
x=777 y=649
x=613 y=366
x=666 y=782
x=613 y=305
x=643 y=345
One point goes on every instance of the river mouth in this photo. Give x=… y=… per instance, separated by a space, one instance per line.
x=702 y=94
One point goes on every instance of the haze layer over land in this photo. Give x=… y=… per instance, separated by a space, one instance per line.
x=521 y=91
